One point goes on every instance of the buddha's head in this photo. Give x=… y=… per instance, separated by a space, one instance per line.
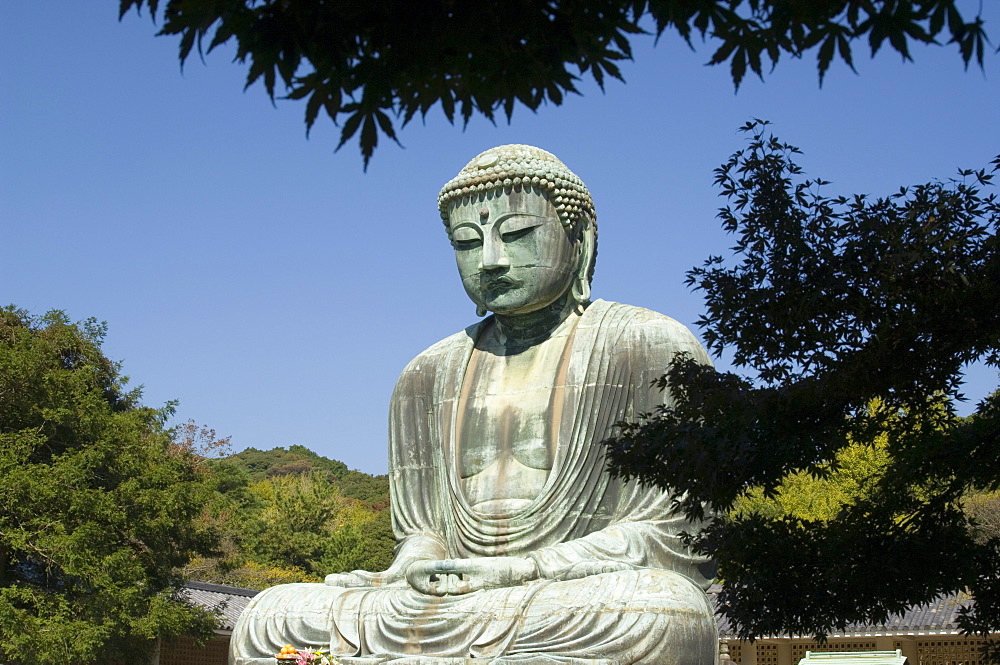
x=524 y=230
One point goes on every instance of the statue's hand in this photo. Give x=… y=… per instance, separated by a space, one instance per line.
x=457 y=576
x=394 y=575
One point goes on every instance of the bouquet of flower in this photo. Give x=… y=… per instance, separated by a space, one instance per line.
x=289 y=655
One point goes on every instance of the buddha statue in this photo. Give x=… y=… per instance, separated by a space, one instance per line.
x=514 y=544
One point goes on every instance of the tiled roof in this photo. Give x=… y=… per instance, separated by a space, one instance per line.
x=937 y=617
x=227 y=601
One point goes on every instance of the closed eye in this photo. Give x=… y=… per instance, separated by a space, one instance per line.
x=519 y=226
x=466 y=236
x=508 y=236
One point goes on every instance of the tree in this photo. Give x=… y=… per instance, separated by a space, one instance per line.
x=828 y=304
x=984 y=509
x=293 y=516
x=847 y=479
x=376 y=64
x=98 y=507
x=298 y=459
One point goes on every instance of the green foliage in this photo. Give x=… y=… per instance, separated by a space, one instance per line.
x=303 y=521
x=983 y=508
x=362 y=541
x=851 y=477
x=293 y=516
x=298 y=459
x=98 y=507
x=296 y=513
x=246 y=574
x=376 y=64
x=279 y=461
x=831 y=303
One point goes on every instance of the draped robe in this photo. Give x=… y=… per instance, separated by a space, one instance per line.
x=616 y=583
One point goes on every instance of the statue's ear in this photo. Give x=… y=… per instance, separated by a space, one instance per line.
x=581 y=281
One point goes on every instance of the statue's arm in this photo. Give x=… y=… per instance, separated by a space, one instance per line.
x=623 y=546
x=643 y=532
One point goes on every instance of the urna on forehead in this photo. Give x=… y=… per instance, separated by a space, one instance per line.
x=518 y=168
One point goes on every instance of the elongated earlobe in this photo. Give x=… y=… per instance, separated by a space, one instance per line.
x=581 y=281
x=480 y=310
x=581 y=290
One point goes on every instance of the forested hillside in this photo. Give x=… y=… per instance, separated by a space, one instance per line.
x=290 y=515
x=353 y=484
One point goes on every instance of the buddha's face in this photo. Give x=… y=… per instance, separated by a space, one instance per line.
x=513 y=253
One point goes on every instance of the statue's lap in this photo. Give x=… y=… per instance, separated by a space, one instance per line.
x=633 y=616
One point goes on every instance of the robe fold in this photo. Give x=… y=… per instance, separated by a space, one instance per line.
x=617 y=584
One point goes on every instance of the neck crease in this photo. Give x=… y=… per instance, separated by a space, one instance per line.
x=524 y=330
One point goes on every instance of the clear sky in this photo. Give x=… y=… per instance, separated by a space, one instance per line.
x=276 y=290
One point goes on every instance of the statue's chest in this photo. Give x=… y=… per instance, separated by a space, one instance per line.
x=508 y=434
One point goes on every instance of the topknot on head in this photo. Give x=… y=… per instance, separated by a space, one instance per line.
x=517 y=167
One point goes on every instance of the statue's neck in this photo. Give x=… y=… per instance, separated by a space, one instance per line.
x=533 y=327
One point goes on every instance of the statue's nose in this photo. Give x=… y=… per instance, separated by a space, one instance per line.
x=494 y=254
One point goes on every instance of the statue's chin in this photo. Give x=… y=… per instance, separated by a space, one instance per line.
x=520 y=300
x=501 y=305
x=513 y=306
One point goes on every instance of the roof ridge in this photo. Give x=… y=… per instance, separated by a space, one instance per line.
x=221 y=588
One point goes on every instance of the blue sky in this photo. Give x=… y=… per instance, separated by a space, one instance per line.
x=276 y=290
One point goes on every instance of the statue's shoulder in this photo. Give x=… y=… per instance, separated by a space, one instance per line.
x=646 y=332
x=637 y=320
x=447 y=351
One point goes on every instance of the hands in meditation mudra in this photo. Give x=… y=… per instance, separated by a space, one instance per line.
x=514 y=544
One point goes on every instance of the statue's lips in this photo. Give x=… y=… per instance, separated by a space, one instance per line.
x=499 y=284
